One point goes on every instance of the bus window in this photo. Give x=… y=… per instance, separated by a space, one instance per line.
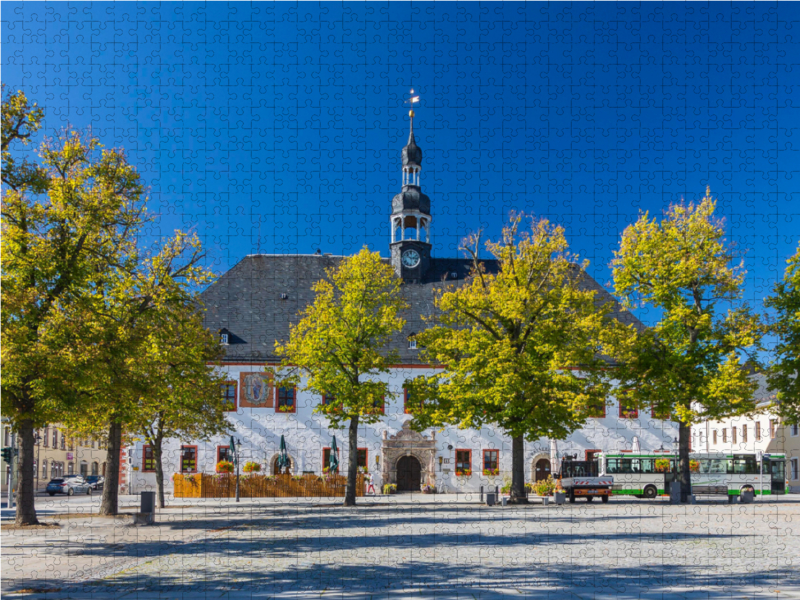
x=648 y=465
x=743 y=465
x=713 y=465
x=778 y=470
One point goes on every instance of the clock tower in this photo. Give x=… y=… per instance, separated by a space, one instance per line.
x=411 y=218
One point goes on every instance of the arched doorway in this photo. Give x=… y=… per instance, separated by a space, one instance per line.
x=408 y=474
x=277 y=470
x=542 y=469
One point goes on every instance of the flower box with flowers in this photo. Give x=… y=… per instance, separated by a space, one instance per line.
x=390 y=488
x=662 y=465
x=491 y=472
x=463 y=472
x=251 y=467
x=224 y=466
x=428 y=489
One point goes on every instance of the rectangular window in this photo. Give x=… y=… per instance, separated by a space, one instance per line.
x=464 y=462
x=6 y=437
x=744 y=434
x=286 y=400
x=795 y=430
x=733 y=435
x=148 y=459
x=408 y=402
x=714 y=436
x=772 y=429
x=328 y=399
x=794 y=468
x=326 y=460
x=224 y=453
x=491 y=462
x=627 y=410
x=46 y=437
x=63 y=442
x=228 y=390
x=597 y=411
x=188 y=459
x=379 y=406
x=362 y=458
x=758 y=431
x=55 y=438
x=724 y=436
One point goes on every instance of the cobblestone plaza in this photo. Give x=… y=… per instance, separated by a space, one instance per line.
x=412 y=546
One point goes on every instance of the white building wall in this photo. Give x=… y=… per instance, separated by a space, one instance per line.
x=306 y=433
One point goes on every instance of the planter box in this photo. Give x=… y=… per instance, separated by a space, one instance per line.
x=561 y=497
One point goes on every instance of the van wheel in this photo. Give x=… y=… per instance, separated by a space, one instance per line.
x=650 y=492
x=52 y=493
x=604 y=499
x=572 y=497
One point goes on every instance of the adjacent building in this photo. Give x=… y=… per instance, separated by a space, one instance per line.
x=252 y=307
x=761 y=432
x=56 y=454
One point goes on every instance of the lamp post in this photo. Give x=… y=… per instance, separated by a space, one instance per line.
x=235 y=450
x=37 y=438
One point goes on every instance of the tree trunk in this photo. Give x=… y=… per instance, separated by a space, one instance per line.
x=518 y=495
x=684 y=475
x=110 y=503
x=26 y=507
x=352 y=465
x=159 y=472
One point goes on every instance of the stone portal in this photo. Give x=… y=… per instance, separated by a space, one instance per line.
x=408 y=443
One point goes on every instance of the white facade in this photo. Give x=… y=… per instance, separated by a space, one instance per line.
x=306 y=434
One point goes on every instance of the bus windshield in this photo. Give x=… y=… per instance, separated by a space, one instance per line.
x=777 y=468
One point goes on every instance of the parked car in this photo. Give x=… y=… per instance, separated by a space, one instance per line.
x=69 y=485
x=96 y=481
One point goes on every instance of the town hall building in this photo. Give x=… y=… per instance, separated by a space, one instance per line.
x=252 y=307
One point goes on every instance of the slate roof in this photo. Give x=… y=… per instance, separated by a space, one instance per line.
x=246 y=302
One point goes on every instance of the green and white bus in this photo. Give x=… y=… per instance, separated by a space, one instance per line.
x=648 y=474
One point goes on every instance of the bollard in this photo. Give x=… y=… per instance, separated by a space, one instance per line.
x=491 y=498
x=147 y=509
x=545 y=500
x=675 y=492
x=505 y=501
x=747 y=497
x=481 y=499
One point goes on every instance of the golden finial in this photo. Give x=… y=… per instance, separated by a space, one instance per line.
x=411 y=114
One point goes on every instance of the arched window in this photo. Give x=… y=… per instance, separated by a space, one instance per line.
x=95 y=468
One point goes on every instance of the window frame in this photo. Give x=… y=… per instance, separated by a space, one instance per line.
x=196 y=458
x=366 y=458
x=325 y=463
x=405 y=402
x=757 y=432
x=734 y=437
x=469 y=454
x=794 y=469
x=278 y=408
x=152 y=459
x=724 y=435
x=714 y=437
x=600 y=414
x=624 y=414
x=744 y=434
x=219 y=459
x=224 y=385
x=497 y=460
x=382 y=409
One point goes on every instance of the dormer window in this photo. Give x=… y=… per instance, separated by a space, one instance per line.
x=284 y=296
x=453 y=275
x=412 y=343
x=223 y=339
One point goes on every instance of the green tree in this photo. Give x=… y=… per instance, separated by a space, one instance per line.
x=65 y=225
x=124 y=340
x=339 y=347
x=185 y=399
x=784 y=375
x=520 y=346
x=688 y=363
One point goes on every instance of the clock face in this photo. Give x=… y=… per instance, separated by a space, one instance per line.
x=410 y=258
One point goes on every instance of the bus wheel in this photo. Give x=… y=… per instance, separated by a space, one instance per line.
x=604 y=499
x=650 y=492
x=589 y=498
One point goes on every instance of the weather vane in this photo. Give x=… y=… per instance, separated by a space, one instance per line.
x=412 y=100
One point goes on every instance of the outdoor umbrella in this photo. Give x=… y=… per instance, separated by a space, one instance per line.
x=635 y=445
x=283 y=457
x=333 y=461
x=555 y=464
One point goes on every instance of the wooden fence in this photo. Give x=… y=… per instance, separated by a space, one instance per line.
x=223 y=485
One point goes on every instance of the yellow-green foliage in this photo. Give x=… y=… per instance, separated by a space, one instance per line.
x=339 y=345
x=689 y=362
x=784 y=376
x=509 y=341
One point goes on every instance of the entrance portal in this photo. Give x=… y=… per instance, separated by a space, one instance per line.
x=542 y=469
x=408 y=474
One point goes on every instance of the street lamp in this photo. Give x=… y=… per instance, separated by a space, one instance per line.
x=234 y=444
x=37 y=438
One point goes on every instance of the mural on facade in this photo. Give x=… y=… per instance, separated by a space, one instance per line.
x=256 y=390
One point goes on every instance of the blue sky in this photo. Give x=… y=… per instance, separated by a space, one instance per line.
x=278 y=128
